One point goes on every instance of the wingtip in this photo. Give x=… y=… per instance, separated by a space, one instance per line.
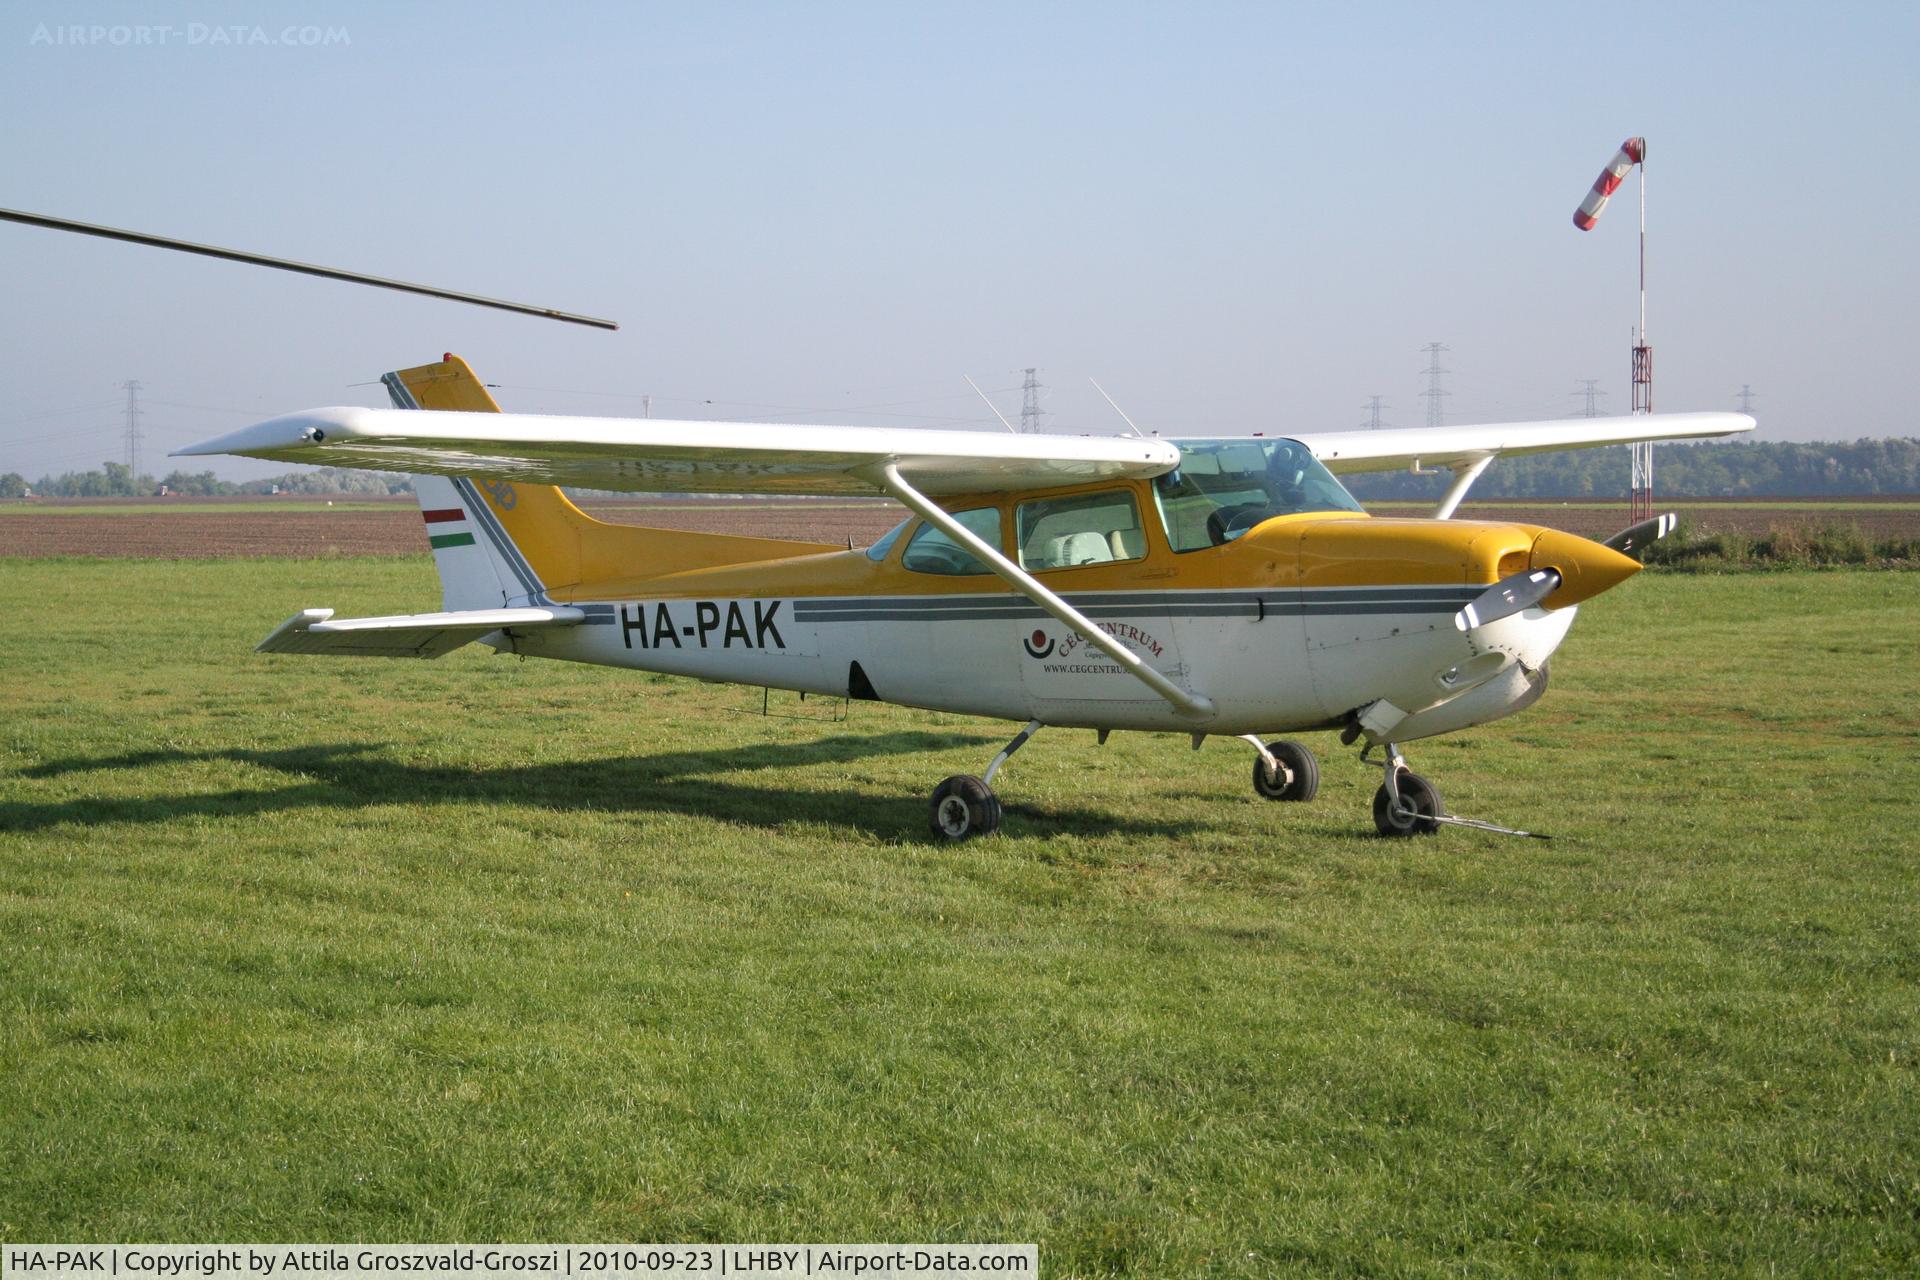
x=275 y=437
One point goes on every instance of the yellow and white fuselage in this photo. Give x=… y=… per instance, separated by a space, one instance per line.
x=1290 y=626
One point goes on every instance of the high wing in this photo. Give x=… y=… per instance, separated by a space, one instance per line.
x=407 y=635
x=650 y=455
x=1345 y=452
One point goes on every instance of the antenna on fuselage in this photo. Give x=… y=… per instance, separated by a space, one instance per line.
x=990 y=404
x=1116 y=408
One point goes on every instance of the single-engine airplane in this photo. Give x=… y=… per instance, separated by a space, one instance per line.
x=1225 y=586
x=1222 y=586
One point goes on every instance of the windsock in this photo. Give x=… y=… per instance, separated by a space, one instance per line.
x=1633 y=151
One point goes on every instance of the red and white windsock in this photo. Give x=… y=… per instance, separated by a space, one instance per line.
x=1633 y=151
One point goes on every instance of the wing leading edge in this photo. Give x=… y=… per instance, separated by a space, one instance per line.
x=650 y=455
x=1345 y=452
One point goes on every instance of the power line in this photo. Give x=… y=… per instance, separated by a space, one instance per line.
x=1746 y=398
x=42 y=437
x=1373 y=407
x=90 y=408
x=1434 y=393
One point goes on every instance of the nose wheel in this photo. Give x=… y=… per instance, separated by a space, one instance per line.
x=1407 y=805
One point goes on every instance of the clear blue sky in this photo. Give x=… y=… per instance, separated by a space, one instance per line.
x=1237 y=217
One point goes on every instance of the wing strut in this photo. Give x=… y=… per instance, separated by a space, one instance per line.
x=1189 y=706
x=1462 y=481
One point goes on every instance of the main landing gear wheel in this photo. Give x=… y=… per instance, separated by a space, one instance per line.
x=1299 y=776
x=1414 y=816
x=963 y=807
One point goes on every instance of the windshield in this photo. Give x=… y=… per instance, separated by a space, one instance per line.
x=1225 y=487
x=878 y=551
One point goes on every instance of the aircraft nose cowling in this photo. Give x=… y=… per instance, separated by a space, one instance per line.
x=1585 y=567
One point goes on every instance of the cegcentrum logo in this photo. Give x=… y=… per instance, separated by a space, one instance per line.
x=1039 y=644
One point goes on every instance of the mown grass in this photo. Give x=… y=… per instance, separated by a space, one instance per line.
x=297 y=949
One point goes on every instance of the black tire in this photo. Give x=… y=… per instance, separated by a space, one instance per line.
x=1416 y=791
x=1299 y=762
x=963 y=807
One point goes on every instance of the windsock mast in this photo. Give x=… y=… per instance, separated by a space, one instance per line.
x=1632 y=152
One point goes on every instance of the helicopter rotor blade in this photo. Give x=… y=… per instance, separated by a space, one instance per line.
x=304 y=268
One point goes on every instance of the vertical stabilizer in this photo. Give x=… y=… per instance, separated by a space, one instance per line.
x=471 y=574
x=481 y=565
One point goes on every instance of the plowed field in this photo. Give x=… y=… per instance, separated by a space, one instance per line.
x=216 y=528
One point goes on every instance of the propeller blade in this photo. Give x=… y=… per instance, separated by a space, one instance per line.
x=1507 y=597
x=1630 y=540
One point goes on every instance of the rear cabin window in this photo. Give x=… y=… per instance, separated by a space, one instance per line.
x=1087 y=528
x=932 y=551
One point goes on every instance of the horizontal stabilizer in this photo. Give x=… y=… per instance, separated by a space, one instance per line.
x=406 y=635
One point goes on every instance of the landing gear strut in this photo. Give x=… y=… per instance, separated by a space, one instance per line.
x=964 y=806
x=1408 y=805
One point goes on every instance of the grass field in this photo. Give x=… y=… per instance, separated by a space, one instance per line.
x=296 y=949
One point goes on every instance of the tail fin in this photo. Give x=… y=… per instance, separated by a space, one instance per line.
x=481 y=565
x=497 y=543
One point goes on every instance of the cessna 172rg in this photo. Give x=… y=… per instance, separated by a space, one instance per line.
x=1206 y=586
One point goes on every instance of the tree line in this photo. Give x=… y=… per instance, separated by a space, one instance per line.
x=1740 y=469
x=115 y=480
